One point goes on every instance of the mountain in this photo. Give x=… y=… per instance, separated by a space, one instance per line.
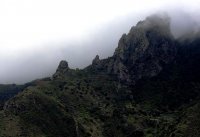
x=10 y=90
x=142 y=52
x=149 y=87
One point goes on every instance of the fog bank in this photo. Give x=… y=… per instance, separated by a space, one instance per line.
x=27 y=54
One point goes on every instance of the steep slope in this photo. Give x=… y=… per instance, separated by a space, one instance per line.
x=142 y=52
x=150 y=87
x=10 y=90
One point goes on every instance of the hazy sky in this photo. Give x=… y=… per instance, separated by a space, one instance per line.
x=36 y=34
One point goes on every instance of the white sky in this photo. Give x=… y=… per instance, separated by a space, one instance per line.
x=35 y=26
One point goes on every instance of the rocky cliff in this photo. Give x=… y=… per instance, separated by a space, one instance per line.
x=150 y=87
x=142 y=52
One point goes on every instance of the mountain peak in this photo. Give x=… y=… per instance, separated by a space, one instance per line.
x=149 y=87
x=62 y=69
x=63 y=65
x=96 y=60
x=143 y=51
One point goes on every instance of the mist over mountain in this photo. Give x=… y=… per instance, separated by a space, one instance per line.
x=102 y=40
x=148 y=87
x=99 y=68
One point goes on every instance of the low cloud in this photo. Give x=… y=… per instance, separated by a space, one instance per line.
x=42 y=61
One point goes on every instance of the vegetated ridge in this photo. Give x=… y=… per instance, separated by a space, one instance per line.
x=150 y=87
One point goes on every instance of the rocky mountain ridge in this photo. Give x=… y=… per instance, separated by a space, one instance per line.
x=142 y=52
x=150 y=87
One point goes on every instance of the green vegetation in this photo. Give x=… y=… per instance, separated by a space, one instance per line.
x=150 y=87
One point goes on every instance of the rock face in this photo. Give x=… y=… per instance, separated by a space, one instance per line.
x=62 y=69
x=63 y=66
x=150 y=87
x=96 y=60
x=142 y=52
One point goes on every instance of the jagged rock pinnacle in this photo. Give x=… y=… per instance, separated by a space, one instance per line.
x=96 y=60
x=62 y=69
x=63 y=65
x=142 y=52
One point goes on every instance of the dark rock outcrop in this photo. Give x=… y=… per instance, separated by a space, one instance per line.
x=142 y=52
x=63 y=66
x=62 y=69
x=150 y=87
x=96 y=60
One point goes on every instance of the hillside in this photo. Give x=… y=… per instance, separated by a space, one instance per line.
x=150 y=87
